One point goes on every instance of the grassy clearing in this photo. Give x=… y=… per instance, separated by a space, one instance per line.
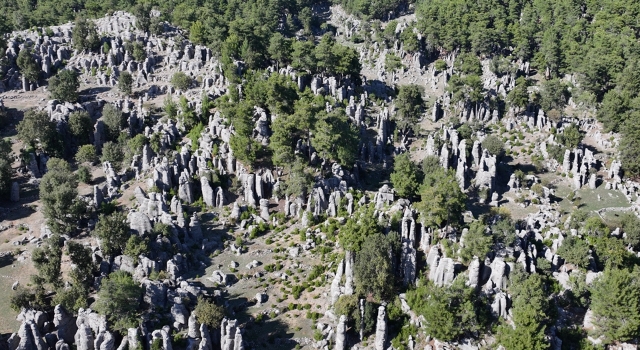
x=8 y=275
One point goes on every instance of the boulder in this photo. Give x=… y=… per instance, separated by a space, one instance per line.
x=139 y=222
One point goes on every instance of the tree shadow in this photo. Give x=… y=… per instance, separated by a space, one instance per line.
x=267 y=333
x=90 y=94
x=378 y=88
x=6 y=259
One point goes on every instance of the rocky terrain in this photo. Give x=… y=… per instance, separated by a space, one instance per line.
x=278 y=262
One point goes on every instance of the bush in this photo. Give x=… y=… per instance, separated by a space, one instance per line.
x=27 y=64
x=450 y=312
x=373 y=268
x=136 y=246
x=476 y=243
x=494 y=145
x=209 y=313
x=181 y=81
x=85 y=35
x=170 y=107
x=64 y=86
x=36 y=129
x=392 y=62
x=125 y=83
x=81 y=126
x=86 y=153
x=440 y=65
x=113 y=232
x=119 y=299
x=113 y=121
x=139 y=54
x=71 y=298
x=58 y=193
x=112 y=152
x=615 y=303
x=575 y=251
x=405 y=176
x=84 y=174
x=570 y=137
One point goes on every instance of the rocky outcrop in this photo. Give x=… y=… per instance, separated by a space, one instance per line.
x=84 y=339
x=185 y=192
x=381 y=329
x=139 y=222
x=341 y=329
x=348 y=272
x=207 y=192
x=65 y=323
x=230 y=336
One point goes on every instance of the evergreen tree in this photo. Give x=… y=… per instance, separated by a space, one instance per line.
x=119 y=300
x=615 y=303
x=81 y=126
x=64 y=86
x=36 y=129
x=85 y=35
x=405 y=176
x=125 y=83
x=409 y=107
x=113 y=232
x=58 y=194
x=28 y=66
x=373 y=269
x=442 y=200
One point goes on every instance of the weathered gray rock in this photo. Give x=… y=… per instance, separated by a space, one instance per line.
x=84 y=339
x=29 y=337
x=124 y=263
x=230 y=336
x=445 y=272
x=264 y=209
x=207 y=192
x=139 y=222
x=381 y=329
x=474 y=272
x=340 y=333
x=500 y=305
x=144 y=268
x=195 y=229
x=335 y=284
x=98 y=196
x=499 y=271
x=155 y=293
x=61 y=345
x=348 y=273
x=261 y=298
x=105 y=341
x=220 y=198
x=132 y=337
x=221 y=278
x=13 y=341
x=235 y=211
x=185 y=192
x=249 y=190
x=194 y=328
x=65 y=323
x=180 y=315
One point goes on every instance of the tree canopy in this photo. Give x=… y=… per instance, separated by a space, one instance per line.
x=119 y=299
x=64 y=86
x=615 y=302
